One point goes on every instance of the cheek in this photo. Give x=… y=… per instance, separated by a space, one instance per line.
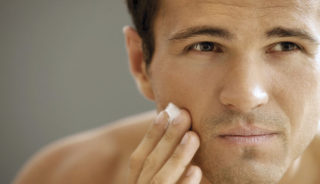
x=297 y=93
x=171 y=86
x=188 y=85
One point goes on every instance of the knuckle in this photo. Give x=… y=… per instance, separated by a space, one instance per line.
x=157 y=180
x=150 y=163
x=149 y=135
x=177 y=157
x=168 y=136
x=134 y=162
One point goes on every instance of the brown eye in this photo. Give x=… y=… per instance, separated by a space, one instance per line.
x=206 y=47
x=284 y=47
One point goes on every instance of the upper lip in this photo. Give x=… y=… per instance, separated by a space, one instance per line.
x=247 y=131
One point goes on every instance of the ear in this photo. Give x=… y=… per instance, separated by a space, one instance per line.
x=137 y=64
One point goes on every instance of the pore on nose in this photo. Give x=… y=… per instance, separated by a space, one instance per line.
x=243 y=99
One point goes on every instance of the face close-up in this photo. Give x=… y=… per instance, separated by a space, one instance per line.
x=241 y=65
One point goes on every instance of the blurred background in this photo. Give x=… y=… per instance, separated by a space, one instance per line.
x=63 y=70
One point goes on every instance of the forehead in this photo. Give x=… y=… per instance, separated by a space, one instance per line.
x=238 y=15
x=241 y=3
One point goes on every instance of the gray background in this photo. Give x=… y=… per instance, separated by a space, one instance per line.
x=63 y=70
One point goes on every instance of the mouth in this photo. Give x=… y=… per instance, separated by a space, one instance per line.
x=248 y=135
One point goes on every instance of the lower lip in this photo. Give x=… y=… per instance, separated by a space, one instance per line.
x=248 y=140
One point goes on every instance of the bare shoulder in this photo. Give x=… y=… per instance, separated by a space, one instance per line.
x=95 y=156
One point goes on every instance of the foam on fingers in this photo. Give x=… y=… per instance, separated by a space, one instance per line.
x=173 y=111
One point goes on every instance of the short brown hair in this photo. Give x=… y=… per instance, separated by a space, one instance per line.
x=143 y=13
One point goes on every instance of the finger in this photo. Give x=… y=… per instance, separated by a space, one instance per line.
x=193 y=175
x=150 y=140
x=165 y=147
x=174 y=168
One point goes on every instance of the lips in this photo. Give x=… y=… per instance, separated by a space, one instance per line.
x=247 y=135
x=247 y=131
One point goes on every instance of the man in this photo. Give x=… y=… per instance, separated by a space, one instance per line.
x=237 y=89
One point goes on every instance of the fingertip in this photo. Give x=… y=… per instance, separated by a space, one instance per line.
x=161 y=117
x=185 y=115
x=193 y=175
x=195 y=138
x=160 y=123
x=197 y=175
x=190 y=171
x=197 y=170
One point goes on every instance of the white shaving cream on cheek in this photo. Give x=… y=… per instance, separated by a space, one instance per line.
x=172 y=111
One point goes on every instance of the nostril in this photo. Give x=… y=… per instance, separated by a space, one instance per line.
x=243 y=106
x=231 y=107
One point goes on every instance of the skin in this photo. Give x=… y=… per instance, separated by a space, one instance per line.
x=245 y=77
x=261 y=70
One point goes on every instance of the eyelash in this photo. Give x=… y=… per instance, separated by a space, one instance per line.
x=212 y=46
x=290 y=46
x=293 y=46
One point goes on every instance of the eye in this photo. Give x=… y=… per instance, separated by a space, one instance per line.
x=205 y=47
x=284 y=47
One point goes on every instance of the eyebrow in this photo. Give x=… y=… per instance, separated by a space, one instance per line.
x=225 y=34
x=202 y=30
x=287 y=32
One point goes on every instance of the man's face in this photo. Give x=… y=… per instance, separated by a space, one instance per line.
x=241 y=65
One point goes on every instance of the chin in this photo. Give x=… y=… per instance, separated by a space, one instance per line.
x=251 y=173
x=242 y=166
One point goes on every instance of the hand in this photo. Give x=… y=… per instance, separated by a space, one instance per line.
x=164 y=154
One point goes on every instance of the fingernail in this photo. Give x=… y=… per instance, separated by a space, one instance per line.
x=185 y=139
x=190 y=171
x=172 y=111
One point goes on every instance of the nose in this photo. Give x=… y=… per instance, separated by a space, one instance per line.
x=243 y=88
